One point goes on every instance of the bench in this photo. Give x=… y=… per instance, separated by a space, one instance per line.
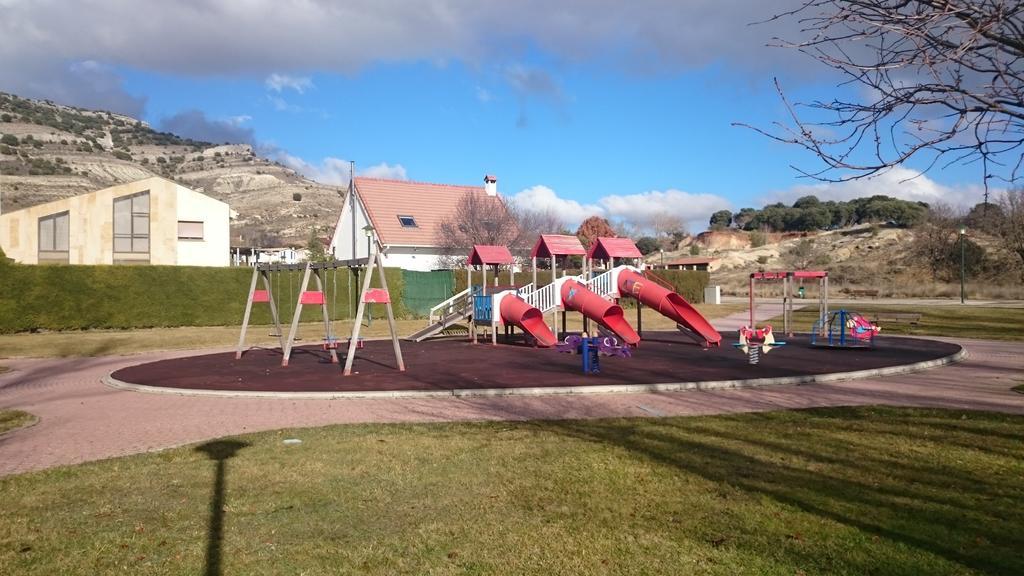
x=898 y=317
x=863 y=292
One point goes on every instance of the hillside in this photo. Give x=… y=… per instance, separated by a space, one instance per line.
x=49 y=151
x=862 y=257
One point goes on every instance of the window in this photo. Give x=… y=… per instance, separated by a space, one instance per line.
x=188 y=230
x=54 y=238
x=407 y=221
x=131 y=227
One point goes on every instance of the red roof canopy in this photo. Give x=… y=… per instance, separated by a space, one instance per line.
x=781 y=275
x=482 y=255
x=607 y=248
x=549 y=245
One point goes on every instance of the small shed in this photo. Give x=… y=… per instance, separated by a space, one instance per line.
x=608 y=249
x=551 y=245
x=483 y=255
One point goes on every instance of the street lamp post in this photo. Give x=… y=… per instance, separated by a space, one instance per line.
x=963 y=232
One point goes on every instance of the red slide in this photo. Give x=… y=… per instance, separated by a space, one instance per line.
x=668 y=304
x=576 y=296
x=515 y=311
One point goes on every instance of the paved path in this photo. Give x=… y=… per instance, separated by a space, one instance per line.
x=83 y=420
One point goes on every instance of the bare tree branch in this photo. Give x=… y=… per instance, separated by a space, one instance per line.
x=942 y=79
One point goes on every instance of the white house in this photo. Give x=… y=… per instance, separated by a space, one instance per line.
x=150 y=221
x=405 y=216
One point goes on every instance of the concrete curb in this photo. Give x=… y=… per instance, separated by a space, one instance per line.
x=109 y=380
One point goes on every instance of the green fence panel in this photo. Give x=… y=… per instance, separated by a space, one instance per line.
x=423 y=290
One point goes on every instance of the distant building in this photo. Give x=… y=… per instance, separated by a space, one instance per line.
x=405 y=216
x=150 y=221
x=688 y=263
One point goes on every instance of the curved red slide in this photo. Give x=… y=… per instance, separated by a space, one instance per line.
x=669 y=304
x=514 y=310
x=576 y=296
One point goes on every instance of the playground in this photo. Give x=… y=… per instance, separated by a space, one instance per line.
x=519 y=343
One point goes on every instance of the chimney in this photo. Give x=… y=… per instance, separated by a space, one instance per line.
x=491 y=185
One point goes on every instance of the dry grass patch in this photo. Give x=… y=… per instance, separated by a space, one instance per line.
x=14 y=419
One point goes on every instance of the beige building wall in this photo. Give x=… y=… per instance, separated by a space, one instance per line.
x=215 y=247
x=91 y=226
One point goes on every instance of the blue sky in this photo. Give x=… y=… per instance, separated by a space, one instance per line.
x=624 y=111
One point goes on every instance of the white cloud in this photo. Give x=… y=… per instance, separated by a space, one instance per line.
x=483 y=95
x=278 y=82
x=282 y=105
x=385 y=170
x=641 y=210
x=543 y=199
x=899 y=182
x=334 y=171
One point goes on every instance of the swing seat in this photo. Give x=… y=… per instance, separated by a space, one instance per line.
x=311 y=297
x=330 y=344
x=376 y=296
x=260 y=296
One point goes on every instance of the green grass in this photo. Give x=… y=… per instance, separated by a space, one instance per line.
x=14 y=419
x=962 y=321
x=826 y=491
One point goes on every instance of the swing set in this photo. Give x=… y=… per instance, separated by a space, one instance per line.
x=318 y=272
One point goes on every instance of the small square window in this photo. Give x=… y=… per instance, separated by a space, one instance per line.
x=407 y=221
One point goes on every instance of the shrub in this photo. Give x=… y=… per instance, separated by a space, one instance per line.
x=120 y=155
x=9 y=139
x=297 y=197
x=757 y=239
x=7 y=118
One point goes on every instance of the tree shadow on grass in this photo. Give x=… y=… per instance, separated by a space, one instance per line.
x=220 y=451
x=958 y=515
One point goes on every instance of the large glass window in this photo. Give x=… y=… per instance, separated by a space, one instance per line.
x=54 y=237
x=131 y=226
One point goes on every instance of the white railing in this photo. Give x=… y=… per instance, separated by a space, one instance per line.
x=458 y=302
x=601 y=284
x=522 y=291
x=543 y=299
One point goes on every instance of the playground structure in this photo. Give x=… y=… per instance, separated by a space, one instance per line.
x=593 y=293
x=316 y=271
x=844 y=329
x=789 y=279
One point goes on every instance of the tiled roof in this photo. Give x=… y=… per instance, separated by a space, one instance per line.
x=549 y=245
x=428 y=204
x=490 y=255
x=606 y=248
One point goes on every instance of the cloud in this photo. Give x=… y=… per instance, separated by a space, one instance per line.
x=543 y=199
x=269 y=38
x=194 y=124
x=644 y=209
x=483 y=95
x=332 y=170
x=898 y=182
x=385 y=170
x=278 y=82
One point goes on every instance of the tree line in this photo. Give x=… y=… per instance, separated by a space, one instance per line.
x=809 y=213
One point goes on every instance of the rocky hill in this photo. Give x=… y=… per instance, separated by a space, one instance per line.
x=49 y=151
x=872 y=257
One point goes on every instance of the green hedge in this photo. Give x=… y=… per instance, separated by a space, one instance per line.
x=689 y=283
x=119 y=297
x=84 y=297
